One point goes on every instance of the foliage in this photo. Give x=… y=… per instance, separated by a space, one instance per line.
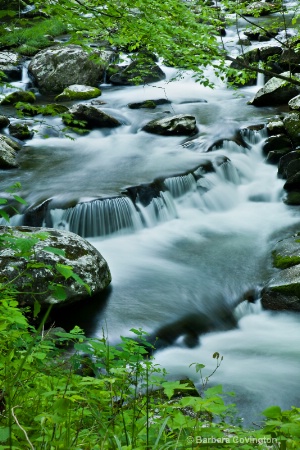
x=30 y=36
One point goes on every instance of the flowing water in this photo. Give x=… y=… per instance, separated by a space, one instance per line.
x=188 y=245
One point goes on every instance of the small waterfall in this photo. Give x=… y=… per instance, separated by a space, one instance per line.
x=102 y=217
x=228 y=172
x=260 y=80
x=160 y=209
x=178 y=186
x=254 y=136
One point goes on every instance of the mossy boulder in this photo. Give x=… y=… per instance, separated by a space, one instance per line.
x=294 y=103
x=277 y=146
x=179 y=125
x=18 y=96
x=292 y=127
x=138 y=72
x=149 y=104
x=78 y=92
x=283 y=290
x=284 y=164
x=33 y=277
x=8 y=153
x=20 y=131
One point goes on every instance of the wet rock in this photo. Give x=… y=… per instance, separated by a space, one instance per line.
x=10 y=65
x=275 y=92
x=138 y=72
x=180 y=125
x=8 y=153
x=293 y=183
x=86 y=262
x=78 y=92
x=4 y=121
x=56 y=68
x=93 y=116
x=151 y=104
x=18 y=96
x=244 y=42
x=292 y=125
x=20 y=131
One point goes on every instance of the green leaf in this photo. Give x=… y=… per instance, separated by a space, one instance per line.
x=20 y=199
x=4 y=215
x=3 y=201
x=65 y=271
x=272 y=412
x=4 y=434
x=36 y=308
x=59 y=292
x=55 y=251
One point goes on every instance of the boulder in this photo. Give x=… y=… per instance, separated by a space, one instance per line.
x=92 y=116
x=140 y=71
x=20 y=131
x=261 y=8
x=10 y=65
x=56 y=68
x=35 y=275
x=294 y=103
x=4 y=121
x=292 y=126
x=275 y=92
x=18 y=96
x=275 y=126
x=293 y=183
x=180 y=125
x=78 y=92
x=8 y=153
x=283 y=290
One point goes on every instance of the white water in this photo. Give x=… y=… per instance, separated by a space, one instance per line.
x=186 y=254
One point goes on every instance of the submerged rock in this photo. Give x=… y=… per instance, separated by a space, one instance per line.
x=8 y=153
x=151 y=104
x=182 y=125
x=56 y=68
x=78 y=92
x=35 y=277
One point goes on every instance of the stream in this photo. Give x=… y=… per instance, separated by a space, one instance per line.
x=193 y=249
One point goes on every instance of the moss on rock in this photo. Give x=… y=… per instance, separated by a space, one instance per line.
x=78 y=92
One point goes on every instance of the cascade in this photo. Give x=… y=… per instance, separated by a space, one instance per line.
x=180 y=185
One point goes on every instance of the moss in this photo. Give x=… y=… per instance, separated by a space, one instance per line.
x=69 y=94
x=288 y=289
x=293 y=198
x=18 y=96
x=284 y=262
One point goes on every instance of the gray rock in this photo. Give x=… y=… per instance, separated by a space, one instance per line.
x=275 y=126
x=8 y=153
x=260 y=8
x=182 y=125
x=10 y=65
x=280 y=143
x=138 y=72
x=275 y=92
x=93 y=116
x=35 y=283
x=56 y=68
